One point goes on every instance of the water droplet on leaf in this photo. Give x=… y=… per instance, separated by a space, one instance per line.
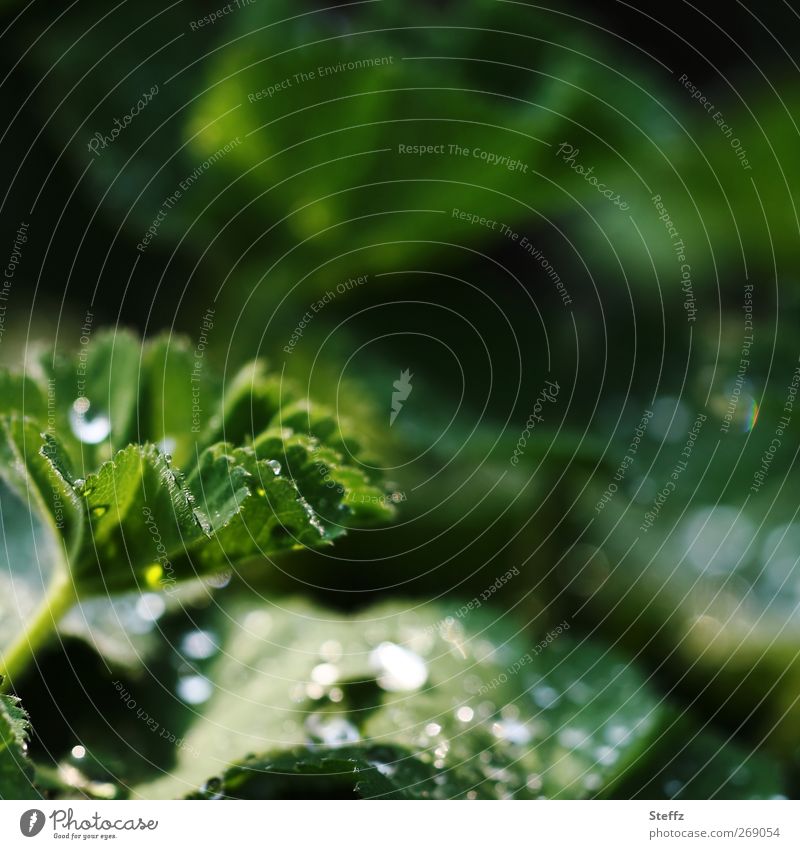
x=88 y=429
x=398 y=669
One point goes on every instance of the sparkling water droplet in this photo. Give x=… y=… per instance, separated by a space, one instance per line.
x=398 y=669
x=167 y=446
x=383 y=761
x=670 y=420
x=465 y=714
x=545 y=696
x=314 y=691
x=534 y=783
x=258 y=623
x=275 y=466
x=331 y=650
x=78 y=752
x=150 y=607
x=199 y=645
x=325 y=674
x=592 y=781
x=333 y=731
x=718 y=539
x=606 y=755
x=617 y=734
x=220 y=580
x=512 y=731
x=195 y=689
x=88 y=429
x=573 y=738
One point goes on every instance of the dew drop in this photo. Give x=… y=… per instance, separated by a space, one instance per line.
x=325 y=674
x=220 y=580
x=717 y=538
x=258 y=623
x=333 y=731
x=512 y=731
x=592 y=781
x=331 y=650
x=314 y=691
x=617 y=734
x=545 y=696
x=89 y=430
x=534 y=783
x=465 y=714
x=150 y=607
x=199 y=645
x=399 y=670
x=606 y=755
x=572 y=738
x=275 y=466
x=167 y=446
x=195 y=689
x=382 y=760
x=78 y=752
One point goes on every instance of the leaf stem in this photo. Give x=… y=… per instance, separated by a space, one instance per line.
x=59 y=599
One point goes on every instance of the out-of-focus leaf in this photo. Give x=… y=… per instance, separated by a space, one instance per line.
x=694 y=763
x=459 y=708
x=692 y=555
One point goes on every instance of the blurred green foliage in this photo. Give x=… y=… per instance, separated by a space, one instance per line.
x=249 y=188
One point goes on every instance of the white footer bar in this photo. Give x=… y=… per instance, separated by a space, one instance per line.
x=392 y=825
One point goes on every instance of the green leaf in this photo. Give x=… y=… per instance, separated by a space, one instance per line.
x=179 y=391
x=16 y=772
x=699 y=763
x=440 y=706
x=138 y=522
x=38 y=522
x=21 y=394
x=379 y=772
x=704 y=579
x=95 y=396
x=139 y=515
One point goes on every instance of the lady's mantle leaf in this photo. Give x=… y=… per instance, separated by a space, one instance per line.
x=440 y=707
x=138 y=520
x=15 y=769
